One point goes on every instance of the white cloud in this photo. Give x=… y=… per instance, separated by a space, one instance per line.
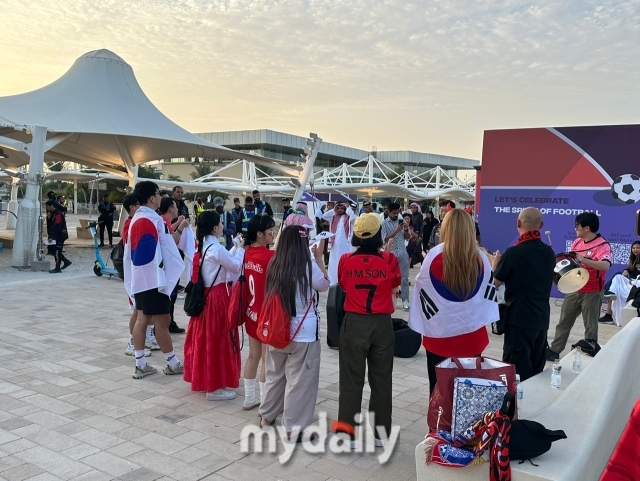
x=420 y=75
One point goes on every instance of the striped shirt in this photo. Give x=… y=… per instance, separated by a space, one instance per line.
x=397 y=247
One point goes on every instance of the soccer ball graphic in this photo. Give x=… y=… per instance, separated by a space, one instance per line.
x=626 y=188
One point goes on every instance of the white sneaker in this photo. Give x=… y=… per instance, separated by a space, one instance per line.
x=130 y=351
x=250 y=403
x=151 y=344
x=220 y=395
x=405 y=305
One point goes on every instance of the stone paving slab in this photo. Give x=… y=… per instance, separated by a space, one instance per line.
x=69 y=409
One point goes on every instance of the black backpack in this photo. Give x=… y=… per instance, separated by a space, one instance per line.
x=117 y=255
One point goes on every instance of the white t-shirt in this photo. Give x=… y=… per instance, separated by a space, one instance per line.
x=310 y=327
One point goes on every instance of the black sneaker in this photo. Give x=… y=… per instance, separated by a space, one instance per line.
x=55 y=271
x=175 y=329
x=552 y=356
x=607 y=318
x=610 y=295
x=66 y=264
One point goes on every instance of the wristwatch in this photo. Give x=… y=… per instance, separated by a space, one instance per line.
x=179 y=231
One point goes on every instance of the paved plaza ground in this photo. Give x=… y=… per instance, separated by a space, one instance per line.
x=69 y=409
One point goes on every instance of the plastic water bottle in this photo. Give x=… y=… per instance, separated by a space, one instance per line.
x=556 y=377
x=520 y=395
x=577 y=360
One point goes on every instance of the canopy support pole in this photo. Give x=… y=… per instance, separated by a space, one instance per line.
x=13 y=204
x=310 y=154
x=29 y=214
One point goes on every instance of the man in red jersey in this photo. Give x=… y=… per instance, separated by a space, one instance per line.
x=368 y=276
x=594 y=253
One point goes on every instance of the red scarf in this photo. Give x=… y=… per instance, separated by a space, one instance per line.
x=346 y=222
x=527 y=236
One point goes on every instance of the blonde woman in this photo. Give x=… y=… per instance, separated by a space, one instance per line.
x=455 y=295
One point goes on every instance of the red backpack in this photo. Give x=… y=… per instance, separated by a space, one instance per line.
x=274 y=324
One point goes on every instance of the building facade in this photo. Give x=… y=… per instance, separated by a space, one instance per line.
x=288 y=147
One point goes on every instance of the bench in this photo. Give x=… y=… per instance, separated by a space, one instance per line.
x=591 y=407
x=82 y=231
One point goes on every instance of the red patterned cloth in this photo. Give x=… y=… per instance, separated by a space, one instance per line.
x=209 y=360
x=492 y=432
x=527 y=236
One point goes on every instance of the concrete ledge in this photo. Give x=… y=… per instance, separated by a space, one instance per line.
x=593 y=411
x=628 y=313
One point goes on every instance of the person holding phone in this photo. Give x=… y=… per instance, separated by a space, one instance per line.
x=395 y=229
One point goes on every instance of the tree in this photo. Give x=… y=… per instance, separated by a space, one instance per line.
x=263 y=172
x=174 y=178
x=400 y=170
x=148 y=172
x=201 y=170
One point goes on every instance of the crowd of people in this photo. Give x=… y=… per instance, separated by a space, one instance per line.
x=369 y=257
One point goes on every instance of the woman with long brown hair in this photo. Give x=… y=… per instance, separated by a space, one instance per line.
x=455 y=295
x=293 y=372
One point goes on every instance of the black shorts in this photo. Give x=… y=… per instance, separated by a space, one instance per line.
x=153 y=303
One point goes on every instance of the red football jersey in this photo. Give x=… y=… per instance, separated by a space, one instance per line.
x=368 y=279
x=256 y=259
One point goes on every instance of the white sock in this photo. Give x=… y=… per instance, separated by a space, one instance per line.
x=172 y=359
x=249 y=388
x=141 y=362
x=151 y=333
x=262 y=392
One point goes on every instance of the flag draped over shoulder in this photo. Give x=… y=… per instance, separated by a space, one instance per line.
x=436 y=312
x=151 y=258
x=187 y=244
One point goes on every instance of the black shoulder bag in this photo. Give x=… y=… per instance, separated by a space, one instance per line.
x=195 y=301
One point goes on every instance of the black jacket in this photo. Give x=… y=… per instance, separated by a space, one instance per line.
x=57 y=227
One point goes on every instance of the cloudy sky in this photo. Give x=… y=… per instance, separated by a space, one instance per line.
x=428 y=75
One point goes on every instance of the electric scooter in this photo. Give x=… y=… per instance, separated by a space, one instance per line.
x=99 y=267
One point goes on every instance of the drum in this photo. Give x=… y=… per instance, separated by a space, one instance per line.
x=569 y=275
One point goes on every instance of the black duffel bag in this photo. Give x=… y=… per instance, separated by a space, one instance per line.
x=407 y=341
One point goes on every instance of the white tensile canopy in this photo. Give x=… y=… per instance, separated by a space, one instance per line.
x=96 y=115
x=100 y=116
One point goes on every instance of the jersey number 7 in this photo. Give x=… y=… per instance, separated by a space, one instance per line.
x=372 y=292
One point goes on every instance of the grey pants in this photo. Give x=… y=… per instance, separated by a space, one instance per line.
x=587 y=303
x=292 y=378
x=404 y=271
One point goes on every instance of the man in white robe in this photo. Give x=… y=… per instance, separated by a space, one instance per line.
x=341 y=219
